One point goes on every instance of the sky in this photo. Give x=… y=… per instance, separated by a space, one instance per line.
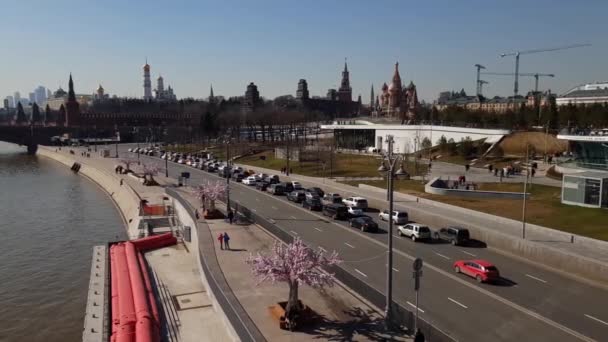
x=229 y=44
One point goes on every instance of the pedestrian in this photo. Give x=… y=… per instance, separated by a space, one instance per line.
x=220 y=238
x=196 y=214
x=121 y=181
x=230 y=216
x=419 y=337
x=226 y=241
x=533 y=172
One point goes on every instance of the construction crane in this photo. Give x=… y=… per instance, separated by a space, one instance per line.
x=536 y=76
x=481 y=83
x=526 y=52
x=478 y=84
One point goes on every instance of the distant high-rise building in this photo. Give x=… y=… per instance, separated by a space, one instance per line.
x=302 y=92
x=16 y=98
x=252 y=98
x=32 y=97
x=6 y=107
x=49 y=94
x=11 y=101
x=40 y=95
x=345 y=92
x=372 y=98
x=147 y=83
x=332 y=94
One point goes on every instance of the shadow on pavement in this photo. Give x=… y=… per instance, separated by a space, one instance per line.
x=506 y=282
x=358 y=323
x=476 y=244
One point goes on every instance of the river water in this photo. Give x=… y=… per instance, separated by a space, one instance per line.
x=50 y=218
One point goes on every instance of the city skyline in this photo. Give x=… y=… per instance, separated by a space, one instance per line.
x=275 y=45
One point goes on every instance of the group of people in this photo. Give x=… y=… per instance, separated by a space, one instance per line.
x=224 y=240
x=284 y=170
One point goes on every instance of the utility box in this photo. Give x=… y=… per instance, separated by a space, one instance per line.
x=187 y=233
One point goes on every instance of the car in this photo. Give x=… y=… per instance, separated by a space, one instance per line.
x=260 y=176
x=130 y=149
x=276 y=189
x=365 y=223
x=272 y=179
x=238 y=177
x=454 y=235
x=399 y=217
x=357 y=202
x=316 y=190
x=261 y=185
x=181 y=161
x=296 y=185
x=249 y=180
x=332 y=197
x=296 y=196
x=482 y=270
x=337 y=211
x=353 y=212
x=312 y=203
x=414 y=231
x=288 y=186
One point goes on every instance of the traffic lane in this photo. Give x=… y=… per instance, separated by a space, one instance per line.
x=186 y=168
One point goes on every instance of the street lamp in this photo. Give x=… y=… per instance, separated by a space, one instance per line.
x=390 y=174
x=229 y=168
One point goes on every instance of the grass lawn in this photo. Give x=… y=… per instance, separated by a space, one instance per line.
x=344 y=165
x=543 y=208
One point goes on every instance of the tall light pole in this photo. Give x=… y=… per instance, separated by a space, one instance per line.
x=229 y=168
x=390 y=174
x=523 y=210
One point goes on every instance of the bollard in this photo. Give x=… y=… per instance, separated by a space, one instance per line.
x=571 y=238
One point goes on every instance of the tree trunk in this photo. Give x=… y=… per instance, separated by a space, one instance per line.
x=292 y=304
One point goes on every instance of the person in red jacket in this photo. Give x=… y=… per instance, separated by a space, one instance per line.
x=221 y=240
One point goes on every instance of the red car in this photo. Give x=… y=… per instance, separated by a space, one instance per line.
x=481 y=270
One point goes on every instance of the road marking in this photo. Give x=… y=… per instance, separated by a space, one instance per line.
x=453 y=301
x=441 y=255
x=318 y=229
x=296 y=233
x=596 y=319
x=396 y=270
x=349 y=245
x=275 y=208
x=323 y=249
x=535 y=278
x=254 y=210
x=414 y=306
x=471 y=254
x=361 y=273
x=397 y=236
x=293 y=217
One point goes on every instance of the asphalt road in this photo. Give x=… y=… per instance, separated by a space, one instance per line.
x=530 y=303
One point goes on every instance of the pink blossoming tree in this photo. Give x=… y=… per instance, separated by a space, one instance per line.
x=209 y=192
x=128 y=162
x=149 y=171
x=295 y=264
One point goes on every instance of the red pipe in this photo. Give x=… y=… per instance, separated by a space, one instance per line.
x=155 y=241
x=126 y=331
x=151 y=298
x=114 y=292
x=143 y=328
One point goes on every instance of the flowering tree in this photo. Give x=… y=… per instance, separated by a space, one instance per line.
x=209 y=192
x=295 y=264
x=128 y=162
x=149 y=171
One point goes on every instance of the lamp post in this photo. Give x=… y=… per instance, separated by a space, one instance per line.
x=229 y=168
x=523 y=209
x=390 y=174
x=164 y=133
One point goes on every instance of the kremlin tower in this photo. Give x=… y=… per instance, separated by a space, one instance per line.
x=147 y=83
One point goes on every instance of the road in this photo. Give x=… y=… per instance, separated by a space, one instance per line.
x=531 y=301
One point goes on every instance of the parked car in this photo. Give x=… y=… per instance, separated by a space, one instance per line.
x=415 y=231
x=296 y=196
x=453 y=235
x=312 y=203
x=353 y=212
x=261 y=185
x=399 y=217
x=332 y=197
x=337 y=211
x=238 y=177
x=357 y=202
x=274 y=179
x=260 y=176
x=276 y=189
x=316 y=190
x=249 y=180
x=481 y=270
x=288 y=186
x=296 y=185
x=365 y=223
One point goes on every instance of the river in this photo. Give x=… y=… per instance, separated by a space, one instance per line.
x=49 y=220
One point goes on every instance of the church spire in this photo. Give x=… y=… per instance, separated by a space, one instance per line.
x=345 y=91
x=71 y=94
x=371 y=98
x=345 y=65
x=211 y=92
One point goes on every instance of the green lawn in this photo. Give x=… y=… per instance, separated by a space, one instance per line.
x=543 y=208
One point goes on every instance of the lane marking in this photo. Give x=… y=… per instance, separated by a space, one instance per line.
x=453 y=301
x=397 y=236
x=293 y=217
x=535 y=278
x=318 y=229
x=361 y=273
x=254 y=210
x=396 y=270
x=441 y=255
x=296 y=233
x=414 y=306
x=596 y=319
x=471 y=254
x=349 y=245
x=275 y=208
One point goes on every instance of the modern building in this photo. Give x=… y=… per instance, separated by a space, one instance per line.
x=40 y=95
x=586 y=189
x=11 y=102
x=147 y=83
x=16 y=99
x=32 y=98
x=396 y=100
x=589 y=93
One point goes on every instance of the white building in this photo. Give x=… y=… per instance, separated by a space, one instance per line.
x=147 y=83
x=162 y=94
x=585 y=94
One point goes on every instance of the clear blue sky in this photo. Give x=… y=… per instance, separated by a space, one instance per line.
x=275 y=43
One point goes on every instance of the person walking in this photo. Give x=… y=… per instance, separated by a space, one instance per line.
x=230 y=216
x=220 y=238
x=226 y=241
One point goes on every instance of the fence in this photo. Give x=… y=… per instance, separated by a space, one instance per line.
x=401 y=316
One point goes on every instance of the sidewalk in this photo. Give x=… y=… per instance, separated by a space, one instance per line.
x=345 y=317
x=189 y=315
x=377 y=199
